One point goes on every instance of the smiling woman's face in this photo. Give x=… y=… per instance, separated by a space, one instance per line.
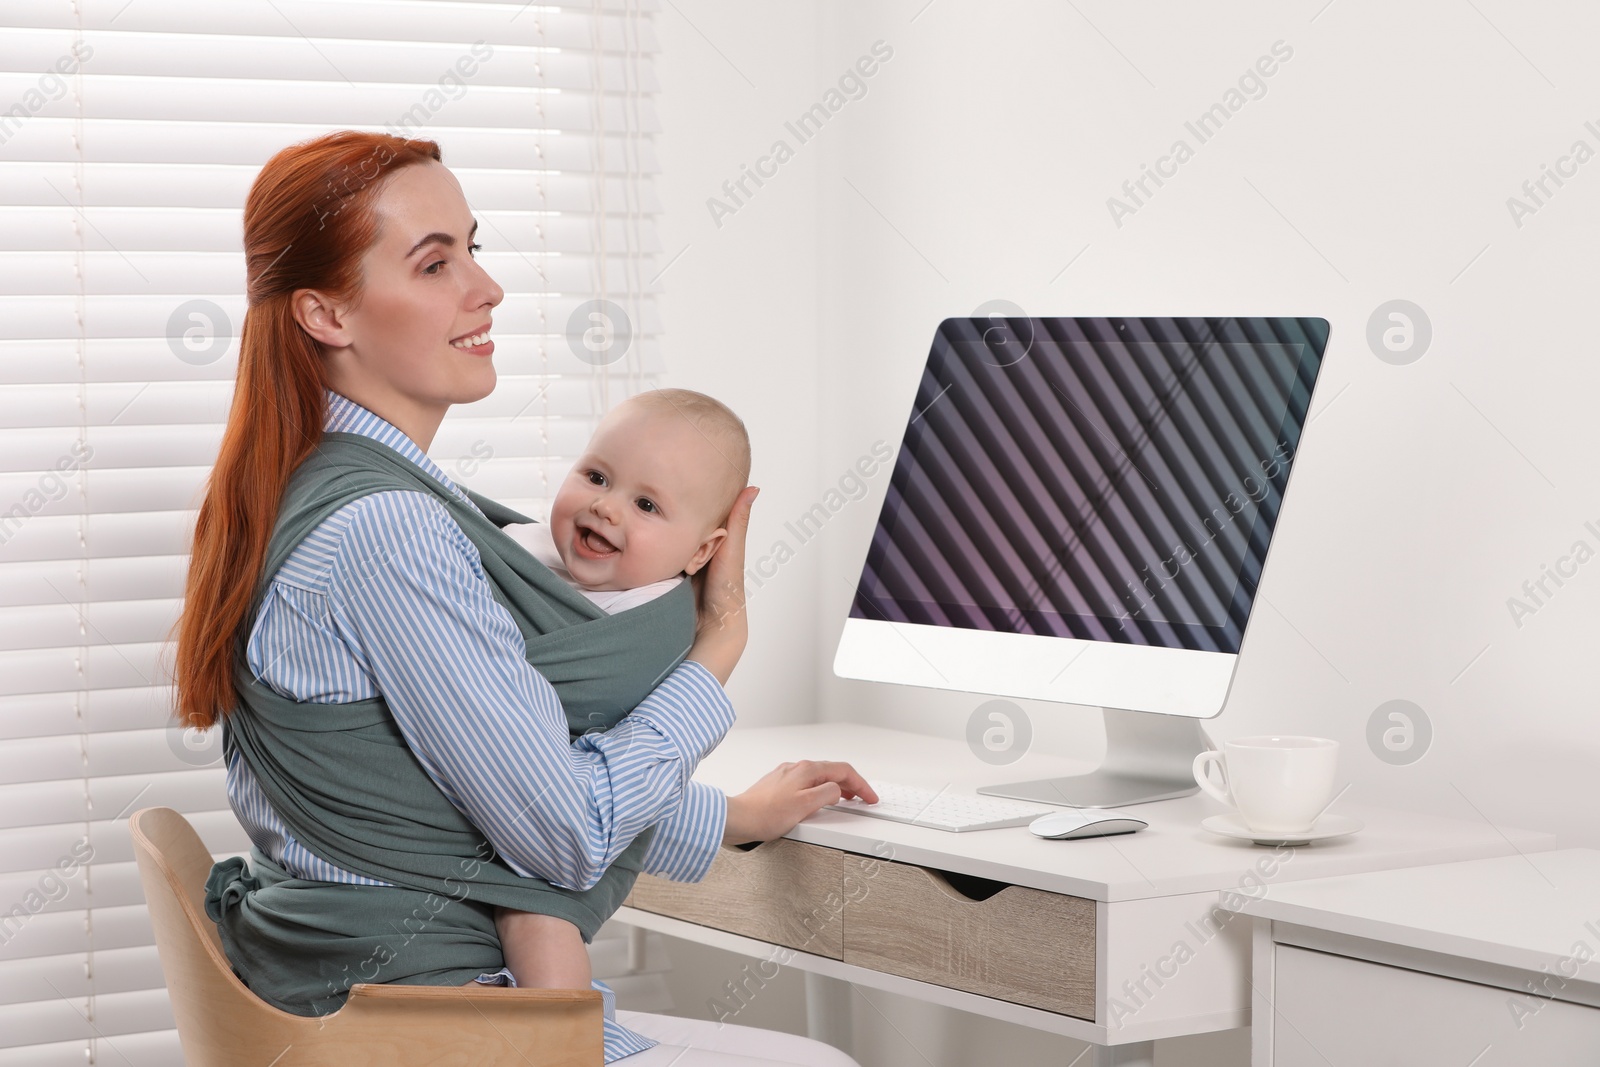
x=403 y=347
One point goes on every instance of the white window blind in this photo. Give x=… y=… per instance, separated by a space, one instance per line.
x=129 y=135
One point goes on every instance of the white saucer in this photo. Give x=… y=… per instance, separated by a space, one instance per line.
x=1231 y=825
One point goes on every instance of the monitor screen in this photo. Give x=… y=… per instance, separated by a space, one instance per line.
x=1103 y=479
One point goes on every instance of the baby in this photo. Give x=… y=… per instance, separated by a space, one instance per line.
x=644 y=507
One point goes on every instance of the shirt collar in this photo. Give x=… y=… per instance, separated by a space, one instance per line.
x=347 y=416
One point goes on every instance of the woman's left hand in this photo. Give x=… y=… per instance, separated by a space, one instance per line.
x=787 y=794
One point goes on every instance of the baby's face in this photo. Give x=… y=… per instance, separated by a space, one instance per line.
x=642 y=503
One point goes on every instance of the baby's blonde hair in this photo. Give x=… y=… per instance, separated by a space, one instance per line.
x=722 y=428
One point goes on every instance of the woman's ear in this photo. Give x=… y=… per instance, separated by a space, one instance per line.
x=320 y=316
x=707 y=549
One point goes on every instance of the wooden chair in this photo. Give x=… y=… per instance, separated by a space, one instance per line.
x=222 y=1024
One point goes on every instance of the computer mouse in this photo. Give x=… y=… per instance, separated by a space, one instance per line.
x=1075 y=823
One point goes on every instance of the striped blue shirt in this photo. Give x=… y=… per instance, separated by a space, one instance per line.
x=426 y=632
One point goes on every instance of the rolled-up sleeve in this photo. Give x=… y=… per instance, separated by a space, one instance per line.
x=686 y=841
x=407 y=588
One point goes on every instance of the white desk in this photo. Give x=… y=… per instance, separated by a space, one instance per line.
x=1492 y=962
x=1166 y=959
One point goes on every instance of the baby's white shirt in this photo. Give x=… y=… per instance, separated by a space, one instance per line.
x=538 y=540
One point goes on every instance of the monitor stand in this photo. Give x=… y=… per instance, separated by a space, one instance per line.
x=1148 y=758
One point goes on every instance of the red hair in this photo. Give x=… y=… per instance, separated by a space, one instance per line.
x=308 y=220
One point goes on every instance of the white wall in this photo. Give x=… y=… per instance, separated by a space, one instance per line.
x=1376 y=166
x=740 y=305
x=1390 y=141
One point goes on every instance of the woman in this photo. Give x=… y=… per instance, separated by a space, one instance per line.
x=380 y=713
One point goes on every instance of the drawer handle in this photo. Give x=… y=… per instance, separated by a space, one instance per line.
x=968 y=888
x=774 y=845
x=970 y=885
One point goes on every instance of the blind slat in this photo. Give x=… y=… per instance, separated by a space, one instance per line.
x=49 y=847
x=396 y=107
x=61 y=582
x=252 y=143
x=69 y=1018
x=119 y=970
x=126 y=231
x=84 y=668
x=155 y=1049
x=112 y=52
x=68 y=625
x=190 y=782
x=181 y=444
x=43 y=715
x=182 y=274
x=64 y=887
x=144 y=361
x=360 y=19
x=215 y=185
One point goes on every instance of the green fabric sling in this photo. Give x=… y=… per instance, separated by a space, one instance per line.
x=349 y=788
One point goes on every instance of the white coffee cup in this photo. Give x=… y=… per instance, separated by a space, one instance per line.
x=1279 y=784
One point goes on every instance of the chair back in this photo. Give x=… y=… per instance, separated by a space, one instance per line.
x=216 y=1013
x=222 y=1024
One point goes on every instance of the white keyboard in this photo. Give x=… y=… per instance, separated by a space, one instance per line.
x=943 y=810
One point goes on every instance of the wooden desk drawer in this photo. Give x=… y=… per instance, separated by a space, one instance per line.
x=784 y=892
x=1018 y=944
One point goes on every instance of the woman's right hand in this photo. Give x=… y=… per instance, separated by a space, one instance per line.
x=722 y=627
x=788 y=794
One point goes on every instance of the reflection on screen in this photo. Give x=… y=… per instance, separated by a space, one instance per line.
x=1105 y=479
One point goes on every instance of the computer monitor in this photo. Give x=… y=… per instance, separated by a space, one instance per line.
x=1081 y=511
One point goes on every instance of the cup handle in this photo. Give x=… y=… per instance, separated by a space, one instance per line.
x=1202 y=777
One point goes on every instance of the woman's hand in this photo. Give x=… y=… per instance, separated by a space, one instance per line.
x=788 y=794
x=722 y=627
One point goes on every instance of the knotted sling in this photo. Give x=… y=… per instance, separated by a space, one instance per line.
x=349 y=788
